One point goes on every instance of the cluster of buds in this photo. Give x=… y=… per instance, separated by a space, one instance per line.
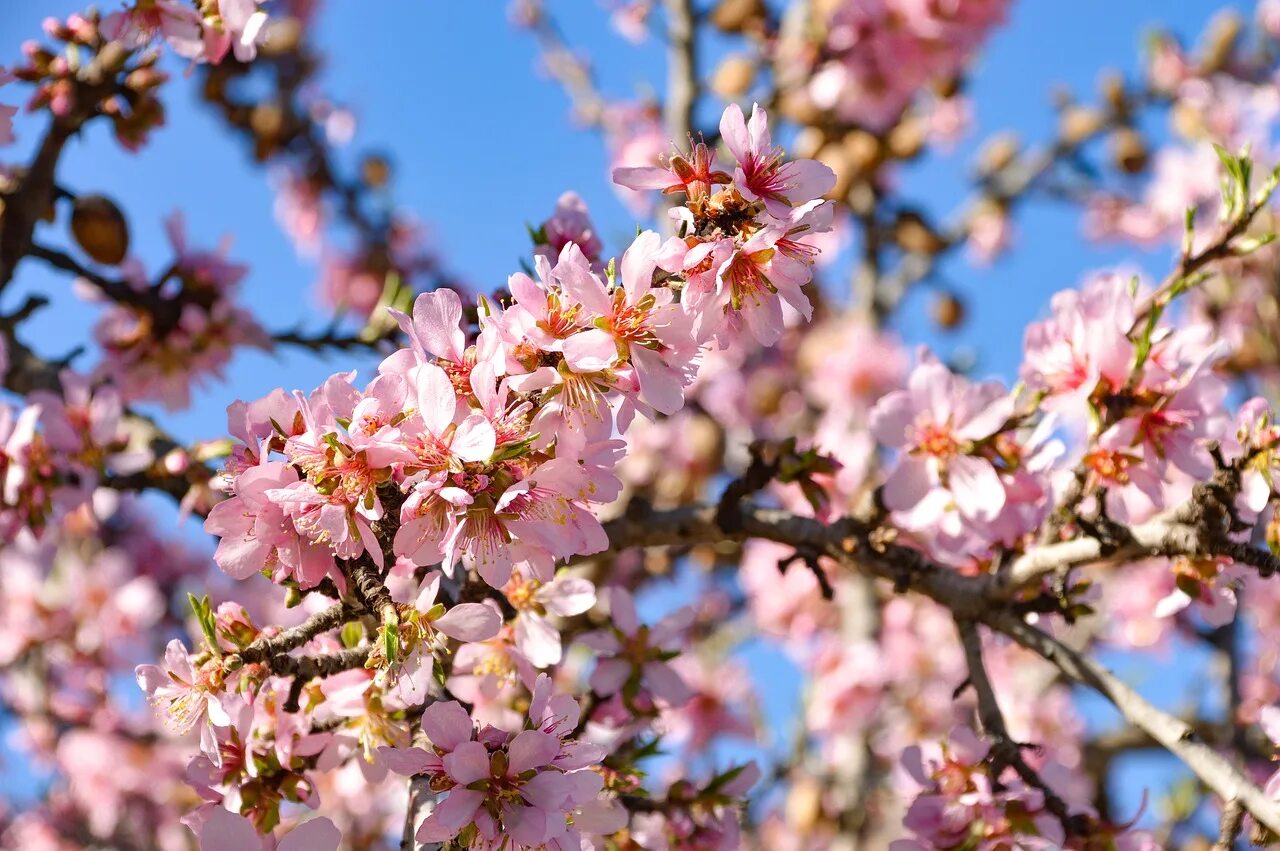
x=91 y=72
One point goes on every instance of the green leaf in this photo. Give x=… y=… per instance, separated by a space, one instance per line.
x=1247 y=245
x=352 y=634
x=1142 y=347
x=391 y=643
x=721 y=780
x=203 y=612
x=513 y=450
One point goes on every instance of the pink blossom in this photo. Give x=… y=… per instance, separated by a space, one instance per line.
x=187 y=696
x=635 y=656
x=219 y=829
x=571 y=222
x=522 y=786
x=256 y=533
x=940 y=422
x=178 y=23
x=762 y=172
x=535 y=602
x=637 y=324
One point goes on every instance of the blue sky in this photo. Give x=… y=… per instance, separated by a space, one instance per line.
x=481 y=145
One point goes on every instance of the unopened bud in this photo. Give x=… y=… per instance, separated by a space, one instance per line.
x=1077 y=123
x=799 y=107
x=804 y=805
x=1113 y=91
x=1129 y=150
x=948 y=310
x=176 y=462
x=267 y=121
x=863 y=152
x=808 y=142
x=283 y=36
x=100 y=229
x=735 y=16
x=375 y=171
x=1220 y=41
x=907 y=139
x=733 y=77
x=914 y=234
x=998 y=153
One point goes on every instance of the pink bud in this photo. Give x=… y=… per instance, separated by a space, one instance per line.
x=176 y=462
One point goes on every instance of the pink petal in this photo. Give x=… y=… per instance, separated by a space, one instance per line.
x=467 y=763
x=908 y=484
x=319 y=834
x=1269 y=719
x=469 y=622
x=601 y=817
x=437 y=324
x=638 y=264
x=407 y=761
x=591 y=350
x=666 y=683
x=643 y=177
x=437 y=401
x=538 y=640
x=568 y=596
x=474 y=440
x=452 y=814
x=733 y=129
x=622 y=609
x=660 y=384
x=976 y=487
x=531 y=749
x=224 y=830
x=447 y=724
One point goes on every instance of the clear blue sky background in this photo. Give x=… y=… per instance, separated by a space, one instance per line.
x=481 y=145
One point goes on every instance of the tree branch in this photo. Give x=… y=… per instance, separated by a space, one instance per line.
x=1174 y=734
x=1004 y=750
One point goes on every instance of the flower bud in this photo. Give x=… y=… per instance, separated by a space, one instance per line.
x=907 y=139
x=1129 y=150
x=1077 y=123
x=735 y=16
x=998 y=153
x=948 y=310
x=804 y=805
x=267 y=121
x=914 y=234
x=284 y=34
x=733 y=78
x=375 y=171
x=1220 y=42
x=100 y=229
x=1113 y=91
x=176 y=462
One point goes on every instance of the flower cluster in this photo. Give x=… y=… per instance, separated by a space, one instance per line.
x=871 y=59
x=961 y=804
x=233 y=27
x=747 y=246
x=534 y=788
x=179 y=331
x=487 y=447
x=491 y=453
